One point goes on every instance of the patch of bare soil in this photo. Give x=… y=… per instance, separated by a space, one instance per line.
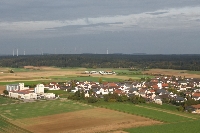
x=171 y=72
x=85 y=121
x=2 y=88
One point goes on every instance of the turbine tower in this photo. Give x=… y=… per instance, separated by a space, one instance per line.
x=107 y=50
x=17 y=52
x=13 y=52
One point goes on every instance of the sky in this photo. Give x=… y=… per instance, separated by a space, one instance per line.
x=98 y=26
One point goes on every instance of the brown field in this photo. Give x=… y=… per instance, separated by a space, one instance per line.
x=36 y=73
x=2 y=88
x=85 y=121
x=171 y=72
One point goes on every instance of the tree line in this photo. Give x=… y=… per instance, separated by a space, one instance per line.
x=179 y=62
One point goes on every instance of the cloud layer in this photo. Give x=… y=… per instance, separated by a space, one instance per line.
x=181 y=18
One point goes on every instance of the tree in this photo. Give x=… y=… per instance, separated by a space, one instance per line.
x=100 y=80
x=5 y=92
x=92 y=99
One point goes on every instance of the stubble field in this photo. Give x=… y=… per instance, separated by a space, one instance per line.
x=84 y=121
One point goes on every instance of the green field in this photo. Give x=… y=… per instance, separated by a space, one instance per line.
x=6 y=100
x=163 y=106
x=41 y=108
x=61 y=93
x=83 y=78
x=7 y=127
x=149 y=113
x=194 y=72
x=174 y=121
x=178 y=127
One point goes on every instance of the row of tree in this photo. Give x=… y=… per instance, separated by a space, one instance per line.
x=80 y=95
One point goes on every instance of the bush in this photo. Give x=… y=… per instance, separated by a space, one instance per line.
x=92 y=99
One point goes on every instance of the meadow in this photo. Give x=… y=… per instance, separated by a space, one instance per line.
x=179 y=127
x=6 y=100
x=40 y=108
x=159 y=115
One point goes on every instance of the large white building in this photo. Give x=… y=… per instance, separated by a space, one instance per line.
x=39 y=88
x=16 y=87
x=18 y=91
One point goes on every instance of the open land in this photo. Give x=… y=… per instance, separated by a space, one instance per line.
x=176 y=73
x=69 y=116
x=30 y=73
x=85 y=121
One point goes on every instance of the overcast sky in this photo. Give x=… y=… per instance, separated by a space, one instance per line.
x=93 y=26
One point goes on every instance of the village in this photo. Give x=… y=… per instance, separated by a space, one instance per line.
x=161 y=89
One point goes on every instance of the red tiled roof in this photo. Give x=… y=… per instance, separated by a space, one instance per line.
x=165 y=85
x=196 y=106
x=196 y=94
x=118 y=91
x=151 y=90
x=155 y=87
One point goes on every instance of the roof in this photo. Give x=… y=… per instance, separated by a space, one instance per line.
x=196 y=106
x=165 y=85
x=196 y=94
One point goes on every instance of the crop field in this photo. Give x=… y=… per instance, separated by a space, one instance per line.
x=30 y=74
x=66 y=116
x=45 y=74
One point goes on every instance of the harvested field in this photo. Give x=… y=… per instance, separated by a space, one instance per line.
x=171 y=72
x=84 y=121
x=2 y=88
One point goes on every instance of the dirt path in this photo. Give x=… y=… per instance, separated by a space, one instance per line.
x=167 y=111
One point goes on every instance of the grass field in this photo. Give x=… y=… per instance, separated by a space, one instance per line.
x=174 y=121
x=42 y=108
x=146 y=112
x=179 y=127
x=7 y=127
x=61 y=93
x=6 y=100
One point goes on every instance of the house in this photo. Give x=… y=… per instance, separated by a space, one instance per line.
x=195 y=108
x=179 y=99
x=157 y=100
x=196 y=96
x=23 y=94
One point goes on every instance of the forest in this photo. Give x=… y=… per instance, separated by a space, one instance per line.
x=179 y=62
